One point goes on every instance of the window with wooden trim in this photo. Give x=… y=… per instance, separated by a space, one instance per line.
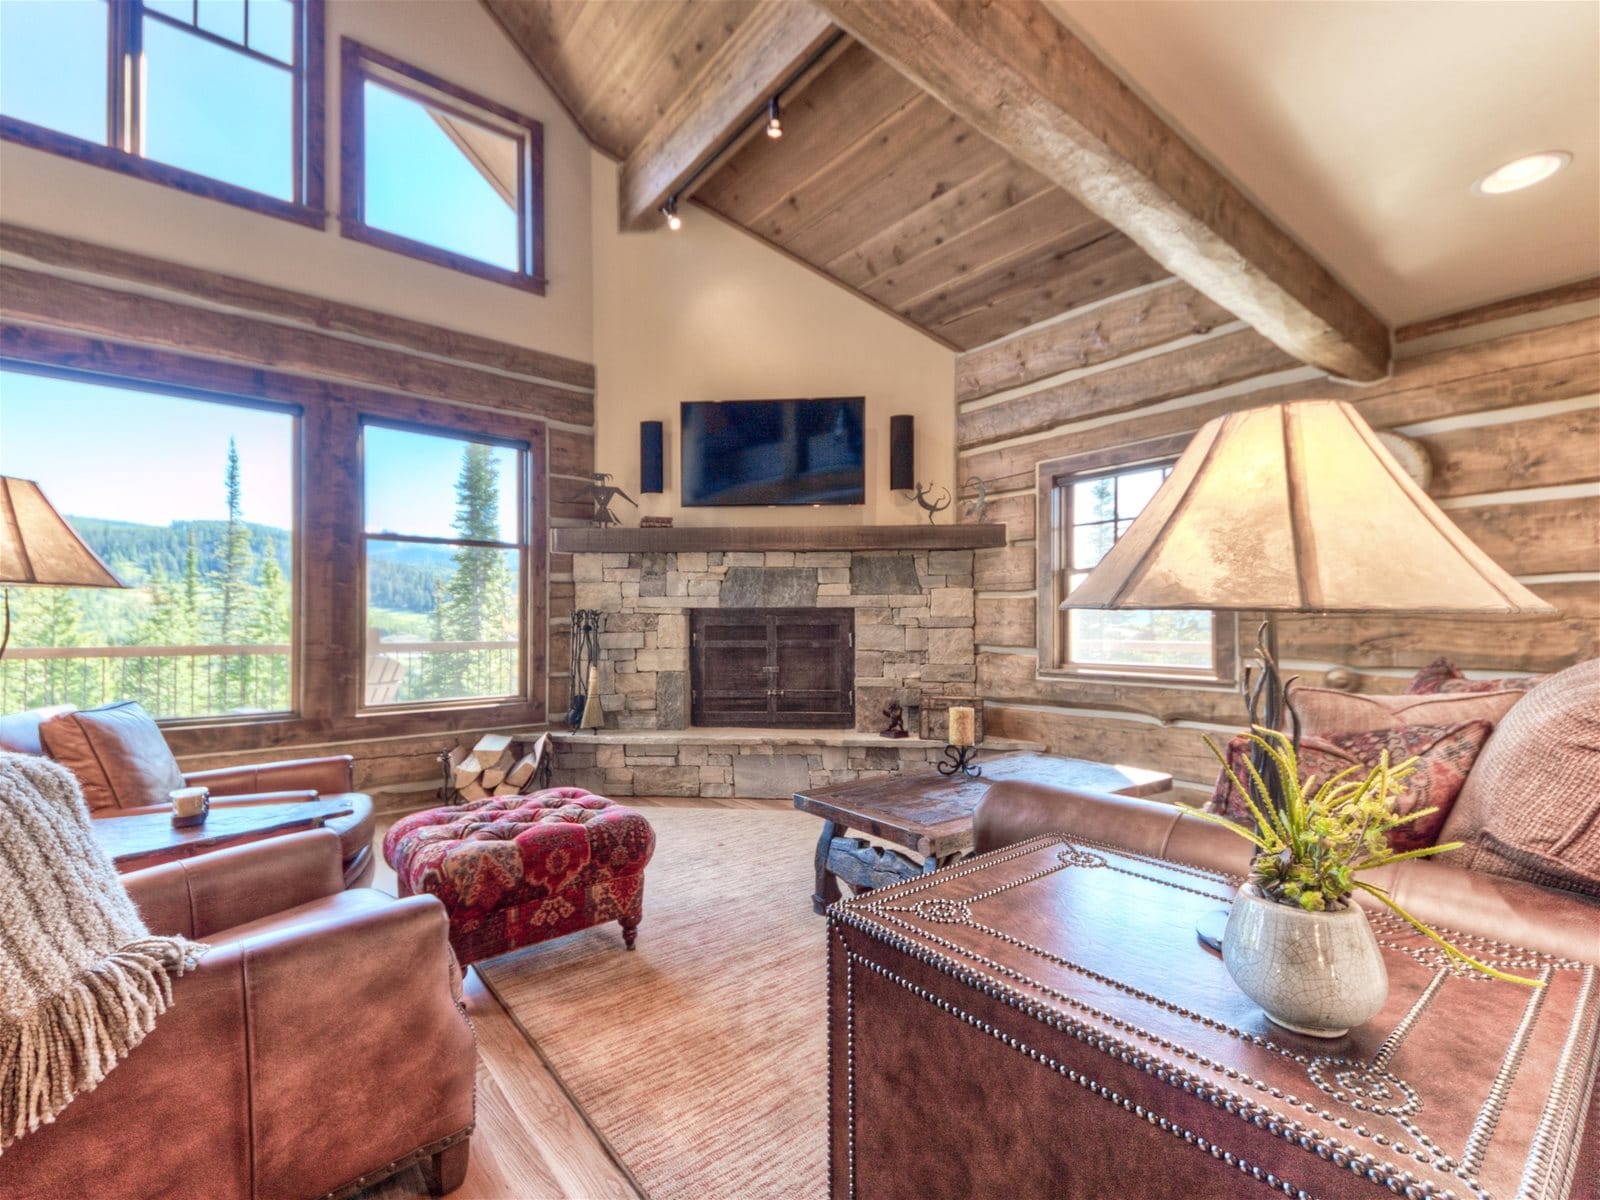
x=1090 y=502
x=431 y=170
x=221 y=98
x=445 y=568
x=190 y=498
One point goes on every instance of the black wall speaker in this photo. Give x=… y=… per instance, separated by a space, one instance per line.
x=650 y=454
x=902 y=455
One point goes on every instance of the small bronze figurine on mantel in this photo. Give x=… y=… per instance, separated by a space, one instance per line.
x=896 y=728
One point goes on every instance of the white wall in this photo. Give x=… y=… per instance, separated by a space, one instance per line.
x=710 y=313
x=457 y=40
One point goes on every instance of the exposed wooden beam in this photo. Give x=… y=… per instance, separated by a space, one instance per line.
x=1516 y=306
x=767 y=48
x=1017 y=75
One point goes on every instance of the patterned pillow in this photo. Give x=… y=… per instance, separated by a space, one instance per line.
x=1441 y=676
x=1446 y=754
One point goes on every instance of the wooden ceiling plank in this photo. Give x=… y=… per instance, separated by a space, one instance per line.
x=1018 y=232
x=1013 y=71
x=850 y=100
x=763 y=52
x=922 y=167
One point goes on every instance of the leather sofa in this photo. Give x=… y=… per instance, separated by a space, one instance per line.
x=120 y=758
x=317 y=1048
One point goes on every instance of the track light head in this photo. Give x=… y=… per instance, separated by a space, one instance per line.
x=669 y=210
x=774 y=119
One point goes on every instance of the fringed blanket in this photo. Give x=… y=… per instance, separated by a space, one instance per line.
x=82 y=980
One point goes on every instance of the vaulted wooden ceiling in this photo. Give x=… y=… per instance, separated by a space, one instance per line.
x=883 y=180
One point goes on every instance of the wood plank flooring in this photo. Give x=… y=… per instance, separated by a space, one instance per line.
x=531 y=1142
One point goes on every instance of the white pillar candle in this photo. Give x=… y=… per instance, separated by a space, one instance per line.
x=187 y=801
x=963 y=726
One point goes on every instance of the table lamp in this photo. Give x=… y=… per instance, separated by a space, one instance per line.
x=1295 y=508
x=39 y=549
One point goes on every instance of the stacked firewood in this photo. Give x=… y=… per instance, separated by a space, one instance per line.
x=496 y=765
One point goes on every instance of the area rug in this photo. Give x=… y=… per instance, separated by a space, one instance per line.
x=701 y=1056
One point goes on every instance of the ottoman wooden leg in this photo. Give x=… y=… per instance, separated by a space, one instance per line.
x=630 y=930
x=445 y=1171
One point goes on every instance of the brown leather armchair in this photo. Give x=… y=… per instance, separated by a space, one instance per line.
x=138 y=748
x=318 y=1047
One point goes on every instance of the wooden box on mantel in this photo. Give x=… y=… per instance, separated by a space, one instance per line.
x=936 y=717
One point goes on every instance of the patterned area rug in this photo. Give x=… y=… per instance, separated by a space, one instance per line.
x=701 y=1056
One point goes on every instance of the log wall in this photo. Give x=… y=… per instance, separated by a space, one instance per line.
x=72 y=303
x=1511 y=422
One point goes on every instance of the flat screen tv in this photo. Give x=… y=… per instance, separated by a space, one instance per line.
x=756 y=452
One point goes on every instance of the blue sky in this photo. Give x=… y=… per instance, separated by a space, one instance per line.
x=229 y=117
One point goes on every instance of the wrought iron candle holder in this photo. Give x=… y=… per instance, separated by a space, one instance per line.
x=960 y=759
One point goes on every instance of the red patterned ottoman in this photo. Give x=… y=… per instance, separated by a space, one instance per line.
x=514 y=870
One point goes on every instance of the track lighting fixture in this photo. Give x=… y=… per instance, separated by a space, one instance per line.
x=774 y=118
x=669 y=210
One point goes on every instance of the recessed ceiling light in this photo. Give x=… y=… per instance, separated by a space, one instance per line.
x=1522 y=172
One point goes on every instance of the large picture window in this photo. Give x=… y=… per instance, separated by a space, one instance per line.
x=217 y=97
x=191 y=501
x=446 y=566
x=1086 y=505
x=430 y=170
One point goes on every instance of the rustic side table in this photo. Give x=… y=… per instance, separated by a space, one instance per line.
x=1039 y=1021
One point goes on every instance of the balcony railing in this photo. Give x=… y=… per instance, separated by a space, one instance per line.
x=199 y=681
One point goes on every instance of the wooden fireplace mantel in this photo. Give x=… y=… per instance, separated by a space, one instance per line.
x=619 y=540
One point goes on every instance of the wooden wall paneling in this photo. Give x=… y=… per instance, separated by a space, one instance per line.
x=571 y=452
x=1014 y=678
x=1014 y=71
x=317 y=312
x=1010 y=569
x=1178 y=749
x=1216 y=362
x=1560 y=448
x=1004 y=620
x=1015 y=465
x=1064 y=276
x=1110 y=331
x=1016 y=512
x=970 y=202
x=1516 y=306
x=37 y=298
x=1537 y=538
x=1485 y=643
x=570 y=498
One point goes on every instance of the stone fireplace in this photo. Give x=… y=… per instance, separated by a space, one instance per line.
x=779 y=668
x=910 y=610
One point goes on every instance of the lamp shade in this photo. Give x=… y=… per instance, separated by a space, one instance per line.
x=37 y=546
x=1297 y=508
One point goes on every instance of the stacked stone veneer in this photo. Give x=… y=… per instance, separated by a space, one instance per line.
x=913 y=622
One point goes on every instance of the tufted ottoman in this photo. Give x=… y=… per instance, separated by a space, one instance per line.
x=514 y=870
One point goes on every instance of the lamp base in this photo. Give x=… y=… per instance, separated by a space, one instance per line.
x=1209 y=928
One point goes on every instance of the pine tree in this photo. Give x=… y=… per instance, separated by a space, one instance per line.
x=235 y=574
x=193 y=594
x=269 y=625
x=50 y=617
x=480 y=598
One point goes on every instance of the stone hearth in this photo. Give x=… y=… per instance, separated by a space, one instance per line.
x=913 y=623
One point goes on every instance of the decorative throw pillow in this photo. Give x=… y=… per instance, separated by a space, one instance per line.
x=117 y=752
x=1532 y=807
x=1442 y=676
x=1445 y=753
x=1324 y=711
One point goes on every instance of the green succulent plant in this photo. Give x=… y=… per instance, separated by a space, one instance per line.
x=1312 y=850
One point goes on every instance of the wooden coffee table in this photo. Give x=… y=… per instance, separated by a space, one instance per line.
x=931 y=815
x=147 y=839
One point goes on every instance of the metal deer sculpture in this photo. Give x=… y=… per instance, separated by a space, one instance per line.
x=932 y=507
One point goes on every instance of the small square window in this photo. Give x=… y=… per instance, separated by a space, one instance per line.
x=435 y=172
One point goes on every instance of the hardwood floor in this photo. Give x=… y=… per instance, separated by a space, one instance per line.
x=531 y=1142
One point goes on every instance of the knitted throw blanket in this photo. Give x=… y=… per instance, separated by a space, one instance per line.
x=81 y=978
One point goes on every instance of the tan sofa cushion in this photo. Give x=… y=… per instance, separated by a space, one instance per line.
x=117 y=752
x=1531 y=807
x=1324 y=711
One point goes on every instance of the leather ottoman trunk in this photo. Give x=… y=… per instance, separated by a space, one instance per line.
x=1040 y=1021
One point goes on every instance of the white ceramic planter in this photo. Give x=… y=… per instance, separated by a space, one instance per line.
x=1318 y=973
